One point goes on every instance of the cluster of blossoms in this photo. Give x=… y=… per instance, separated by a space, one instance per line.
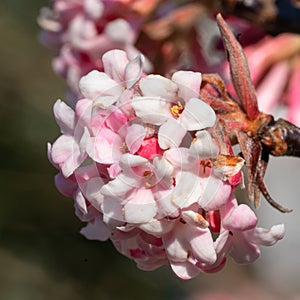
x=83 y=30
x=140 y=156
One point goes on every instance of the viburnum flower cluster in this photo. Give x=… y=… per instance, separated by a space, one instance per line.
x=141 y=156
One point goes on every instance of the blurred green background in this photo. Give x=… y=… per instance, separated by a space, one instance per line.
x=42 y=255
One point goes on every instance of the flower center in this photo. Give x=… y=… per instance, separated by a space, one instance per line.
x=176 y=109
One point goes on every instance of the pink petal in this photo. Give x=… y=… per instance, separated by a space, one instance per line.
x=241 y=218
x=184 y=270
x=80 y=202
x=65 y=186
x=188 y=84
x=66 y=153
x=243 y=252
x=93 y=192
x=197 y=115
x=102 y=151
x=216 y=193
x=112 y=211
x=96 y=230
x=134 y=137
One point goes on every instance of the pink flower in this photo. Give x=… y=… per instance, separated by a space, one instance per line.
x=68 y=151
x=240 y=221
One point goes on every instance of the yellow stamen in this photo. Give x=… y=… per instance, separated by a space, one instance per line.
x=177 y=109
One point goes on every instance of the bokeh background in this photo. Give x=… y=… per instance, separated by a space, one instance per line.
x=42 y=255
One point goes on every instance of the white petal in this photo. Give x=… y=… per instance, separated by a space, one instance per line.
x=156 y=227
x=141 y=208
x=163 y=172
x=153 y=110
x=96 y=84
x=65 y=117
x=197 y=115
x=104 y=101
x=203 y=145
x=166 y=207
x=119 y=187
x=129 y=160
x=156 y=85
x=170 y=134
x=188 y=83
x=134 y=71
x=187 y=190
x=114 y=63
x=266 y=237
x=202 y=244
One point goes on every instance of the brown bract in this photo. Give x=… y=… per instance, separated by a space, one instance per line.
x=257 y=134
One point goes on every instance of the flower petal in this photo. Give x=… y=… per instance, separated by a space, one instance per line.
x=241 y=218
x=93 y=192
x=96 y=230
x=141 y=208
x=203 y=145
x=243 y=252
x=266 y=237
x=114 y=63
x=134 y=71
x=170 y=134
x=65 y=117
x=184 y=270
x=153 y=110
x=157 y=85
x=197 y=115
x=202 y=244
x=96 y=84
x=188 y=83
x=134 y=137
x=216 y=193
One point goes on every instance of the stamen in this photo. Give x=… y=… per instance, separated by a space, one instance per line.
x=177 y=109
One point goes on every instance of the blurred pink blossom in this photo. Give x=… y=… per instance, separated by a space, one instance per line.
x=83 y=30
